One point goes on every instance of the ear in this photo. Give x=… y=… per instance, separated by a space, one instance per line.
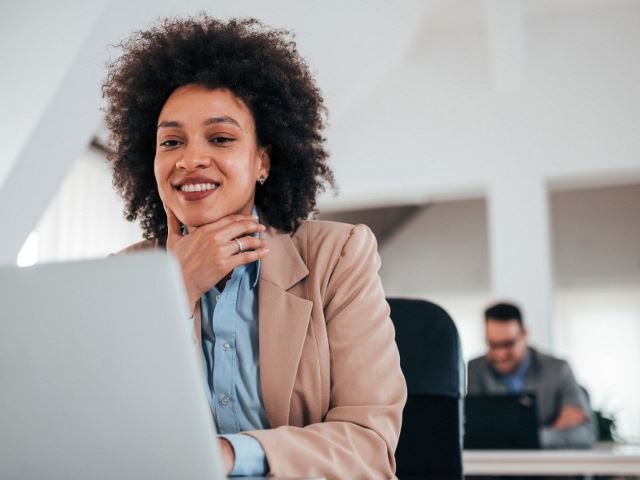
x=265 y=160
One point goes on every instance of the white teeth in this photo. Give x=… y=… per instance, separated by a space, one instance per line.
x=198 y=187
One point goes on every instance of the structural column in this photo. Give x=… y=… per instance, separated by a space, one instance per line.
x=520 y=253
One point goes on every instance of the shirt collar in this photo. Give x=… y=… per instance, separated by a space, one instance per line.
x=524 y=365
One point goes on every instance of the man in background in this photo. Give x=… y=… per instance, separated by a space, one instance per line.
x=512 y=366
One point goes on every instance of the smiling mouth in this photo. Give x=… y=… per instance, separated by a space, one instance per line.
x=193 y=192
x=197 y=187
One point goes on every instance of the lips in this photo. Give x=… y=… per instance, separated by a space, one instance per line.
x=196 y=187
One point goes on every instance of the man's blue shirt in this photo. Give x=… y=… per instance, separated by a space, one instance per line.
x=515 y=380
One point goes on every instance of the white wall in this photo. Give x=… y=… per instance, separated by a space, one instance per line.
x=598 y=331
x=85 y=217
x=444 y=248
x=596 y=247
x=596 y=235
x=39 y=41
x=442 y=255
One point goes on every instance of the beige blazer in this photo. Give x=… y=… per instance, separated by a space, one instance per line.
x=329 y=367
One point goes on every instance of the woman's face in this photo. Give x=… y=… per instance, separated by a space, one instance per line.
x=207 y=159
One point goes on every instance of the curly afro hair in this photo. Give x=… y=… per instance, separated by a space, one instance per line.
x=262 y=67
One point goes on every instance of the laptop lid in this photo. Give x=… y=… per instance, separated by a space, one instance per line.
x=501 y=422
x=99 y=375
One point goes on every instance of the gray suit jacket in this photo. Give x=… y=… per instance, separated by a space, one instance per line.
x=553 y=383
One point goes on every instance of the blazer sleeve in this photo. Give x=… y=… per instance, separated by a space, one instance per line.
x=579 y=436
x=360 y=431
x=474 y=377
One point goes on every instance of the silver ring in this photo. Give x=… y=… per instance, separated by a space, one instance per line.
x=240 y=246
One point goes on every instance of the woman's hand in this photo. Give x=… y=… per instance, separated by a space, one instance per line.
x=210 y=252
x=227 y=454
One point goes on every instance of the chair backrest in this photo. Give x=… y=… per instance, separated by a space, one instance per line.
x=431 y=359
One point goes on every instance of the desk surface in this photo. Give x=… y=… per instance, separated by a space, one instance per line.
x=605 y=459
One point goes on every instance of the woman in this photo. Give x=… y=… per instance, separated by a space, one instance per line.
x=218 y=152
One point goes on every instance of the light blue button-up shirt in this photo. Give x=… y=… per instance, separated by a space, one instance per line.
x=515 y=380
x=230 y=352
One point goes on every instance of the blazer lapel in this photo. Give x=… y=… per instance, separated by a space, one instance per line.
x=531 y=378
x=283 y=322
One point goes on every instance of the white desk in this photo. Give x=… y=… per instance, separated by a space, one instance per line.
x=605 y=459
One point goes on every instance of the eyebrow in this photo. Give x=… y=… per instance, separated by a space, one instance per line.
x=208 y=121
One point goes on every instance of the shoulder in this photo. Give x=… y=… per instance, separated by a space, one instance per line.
x=331 y=250
x=313 y=235
x=151 y=244
x=477 y=365
x=477 y=376
x=549 y=363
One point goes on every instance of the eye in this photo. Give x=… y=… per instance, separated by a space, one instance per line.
x=222 y=140
x=170 y=143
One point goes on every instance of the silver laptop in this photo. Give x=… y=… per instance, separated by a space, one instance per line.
x=99 y=377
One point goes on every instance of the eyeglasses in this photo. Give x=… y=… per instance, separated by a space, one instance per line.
x=506 y=344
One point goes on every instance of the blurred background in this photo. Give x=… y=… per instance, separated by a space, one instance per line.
x=492 y=146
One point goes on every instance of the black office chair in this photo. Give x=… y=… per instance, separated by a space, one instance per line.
x=431 y=359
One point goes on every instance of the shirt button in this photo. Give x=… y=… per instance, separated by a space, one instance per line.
x=226 y=346
x=217 y=298
x=225 y=400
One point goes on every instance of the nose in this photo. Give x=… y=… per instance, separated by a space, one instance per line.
x=193 y=157
x=500 y=354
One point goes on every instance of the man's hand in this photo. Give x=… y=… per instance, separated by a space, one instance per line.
x=569 y=416
x=228 y=455
x=210 y=252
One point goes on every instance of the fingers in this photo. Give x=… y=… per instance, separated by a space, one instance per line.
x=248 y=257
x=239 y=229
x=174 y=226
x=248 y=243
x=225 y=230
